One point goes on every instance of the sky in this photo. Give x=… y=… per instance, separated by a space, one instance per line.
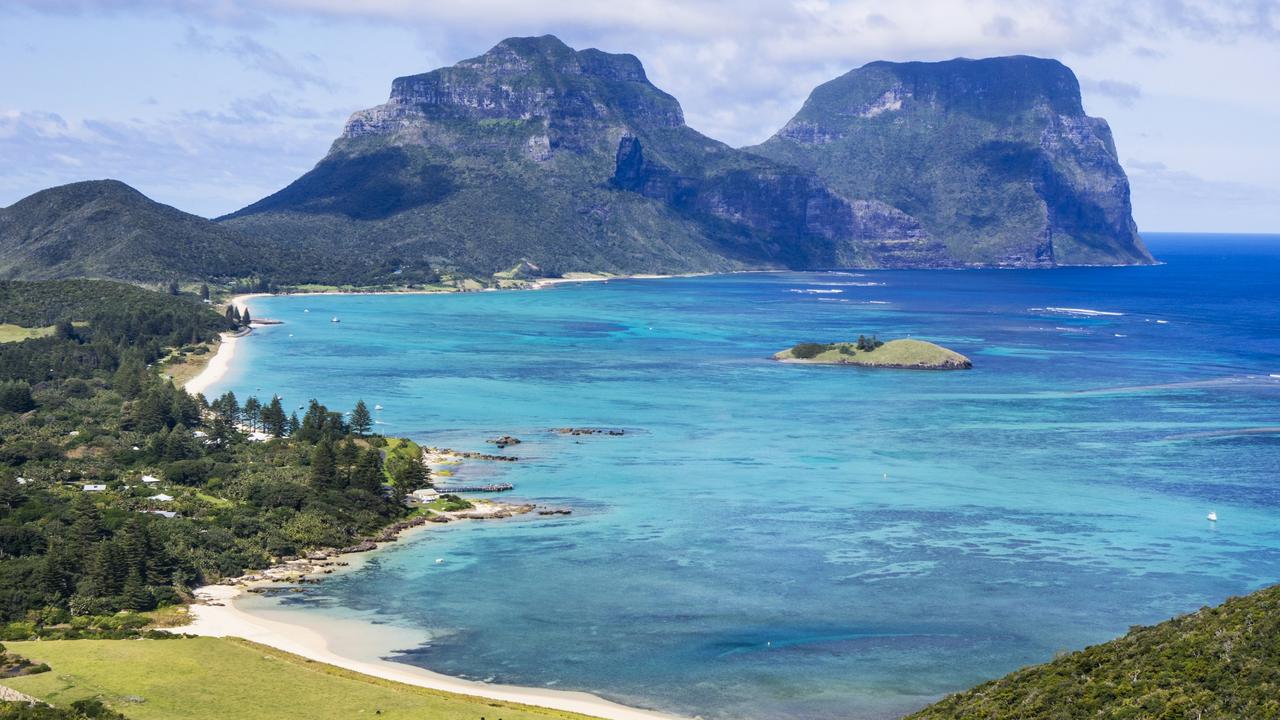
x=208 y=105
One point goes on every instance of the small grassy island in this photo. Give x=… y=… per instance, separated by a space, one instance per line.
x=870 y=352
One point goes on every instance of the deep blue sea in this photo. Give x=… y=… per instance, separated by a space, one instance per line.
x=779 y=541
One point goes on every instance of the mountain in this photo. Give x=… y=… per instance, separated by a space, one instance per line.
x=538 y=159
x=1219 y=662
x=106 y=229
x=995 y=158
x=570 y=161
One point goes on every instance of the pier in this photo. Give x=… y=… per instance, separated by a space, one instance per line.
x=496 y=487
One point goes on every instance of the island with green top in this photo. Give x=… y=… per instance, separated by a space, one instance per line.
x=871 y=352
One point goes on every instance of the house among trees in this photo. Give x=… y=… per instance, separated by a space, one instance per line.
x=94 y=488
x=161 y=498
x=150 y=480
x=424 y=495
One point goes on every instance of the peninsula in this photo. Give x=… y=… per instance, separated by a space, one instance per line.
x=870 y=352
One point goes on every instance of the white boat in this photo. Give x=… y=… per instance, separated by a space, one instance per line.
x=439 y=561
x=306 y=310
x=1213 y=516
x=334 y=319
x=377 y=407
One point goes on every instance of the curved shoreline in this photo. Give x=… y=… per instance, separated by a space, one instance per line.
x=220 y=363
x=224 y=619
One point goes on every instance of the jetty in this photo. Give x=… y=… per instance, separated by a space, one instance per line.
x=495 y=487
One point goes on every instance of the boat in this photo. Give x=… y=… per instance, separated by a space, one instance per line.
x=439 y=561
x=306 y=310
x=1213 y=516
x=377 y=407
x=334 y=319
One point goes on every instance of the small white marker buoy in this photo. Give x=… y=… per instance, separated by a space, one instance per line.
x=1213 y=516
x=439 y=561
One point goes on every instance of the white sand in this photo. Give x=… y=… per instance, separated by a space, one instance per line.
x=221 y=360
x=217 y=366
x=225 y=619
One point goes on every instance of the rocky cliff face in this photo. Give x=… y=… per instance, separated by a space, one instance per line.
x=573 y=161
x=994 y=158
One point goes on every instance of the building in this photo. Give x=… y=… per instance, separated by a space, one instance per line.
x=424 y=495
x=161 y=498
x=94 y=488
x=150 y=480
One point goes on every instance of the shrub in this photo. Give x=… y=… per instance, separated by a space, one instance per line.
x=15 y=396
x=808 y=350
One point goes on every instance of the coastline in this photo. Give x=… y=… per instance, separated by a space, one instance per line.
x=217 y=365
x=218 y=615
x=221 y=360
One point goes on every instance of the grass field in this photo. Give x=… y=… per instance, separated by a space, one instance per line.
x=895 y=353
x=17 y=333
x=229 y=679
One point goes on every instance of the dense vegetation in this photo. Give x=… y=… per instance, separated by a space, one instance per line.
x=83 y=534
x=98 y=326
x=1219 y=663
x=106 y=229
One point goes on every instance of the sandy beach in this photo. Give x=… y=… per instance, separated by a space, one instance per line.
x=218 y=616
x=221 y=360
x=217 y=366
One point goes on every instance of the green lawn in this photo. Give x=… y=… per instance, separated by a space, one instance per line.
x=17 y=333
x=226 y=679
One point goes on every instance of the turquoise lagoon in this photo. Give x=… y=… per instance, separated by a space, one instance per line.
x=775 y=541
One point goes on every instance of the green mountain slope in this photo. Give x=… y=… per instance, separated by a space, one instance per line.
x=570 y=160
x=106 y=229
x=995 y=158
x=1215 y=664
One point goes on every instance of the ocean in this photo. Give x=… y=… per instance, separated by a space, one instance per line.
x=781 y=541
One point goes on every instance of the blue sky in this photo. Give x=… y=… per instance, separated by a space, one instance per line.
x=210 y=104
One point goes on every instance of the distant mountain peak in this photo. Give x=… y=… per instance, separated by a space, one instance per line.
x=522 y=79
x=995 y=157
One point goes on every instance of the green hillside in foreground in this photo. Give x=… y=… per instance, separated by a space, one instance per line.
x=1220 y=663
x=226 y=679
x=904 y=354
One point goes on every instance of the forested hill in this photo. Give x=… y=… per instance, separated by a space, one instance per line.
x=97 y=325
x=32 y=304
x=1220 y=663
x=121 y=492
x=107 y=229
